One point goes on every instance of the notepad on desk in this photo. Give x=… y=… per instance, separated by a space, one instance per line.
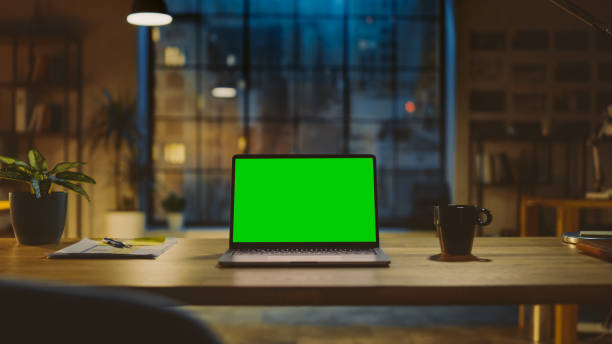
x=142 y=248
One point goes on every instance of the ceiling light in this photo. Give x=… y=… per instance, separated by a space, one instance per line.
x=149 y=13
x=224 y=92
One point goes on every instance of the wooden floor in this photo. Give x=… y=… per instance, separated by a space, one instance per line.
x=305 y=325
x=304 y=334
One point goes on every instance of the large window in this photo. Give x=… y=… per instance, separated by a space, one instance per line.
x=297 y=76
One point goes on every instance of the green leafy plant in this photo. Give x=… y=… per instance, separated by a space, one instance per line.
x=173 y=204
x=116 y=127
x=40 y=178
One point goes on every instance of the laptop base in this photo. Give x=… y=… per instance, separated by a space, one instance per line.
x=234 y=258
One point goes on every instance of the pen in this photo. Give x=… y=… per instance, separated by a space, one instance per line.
x=116 y=243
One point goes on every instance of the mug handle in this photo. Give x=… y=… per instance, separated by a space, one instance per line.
x=488 y=214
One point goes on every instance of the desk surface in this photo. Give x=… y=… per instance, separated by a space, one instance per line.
x=521 y=270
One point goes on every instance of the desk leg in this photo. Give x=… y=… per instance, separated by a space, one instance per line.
x=566 y=320
x=561 y=218
x=529 y=220
x=570 y=223
x=529 y=227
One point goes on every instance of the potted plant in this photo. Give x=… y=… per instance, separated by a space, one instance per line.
x=174 y=206
x=116 y=127
x=38 y=216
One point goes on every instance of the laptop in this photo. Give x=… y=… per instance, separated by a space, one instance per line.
x=304 y=210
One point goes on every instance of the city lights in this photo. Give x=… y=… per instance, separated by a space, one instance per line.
x=174 y=153
x=409 y=106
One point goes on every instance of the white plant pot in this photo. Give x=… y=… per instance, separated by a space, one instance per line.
x=175 y=221
x=124 y=224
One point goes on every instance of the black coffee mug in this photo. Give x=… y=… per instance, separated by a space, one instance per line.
x=455 y=223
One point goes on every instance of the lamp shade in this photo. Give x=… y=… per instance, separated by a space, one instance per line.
x=149 y=13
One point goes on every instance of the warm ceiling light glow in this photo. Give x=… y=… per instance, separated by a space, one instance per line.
x=149 y=19
x=224 y=92
x=409 y=106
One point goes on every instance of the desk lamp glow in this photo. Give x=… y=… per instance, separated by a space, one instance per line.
x=149 y=13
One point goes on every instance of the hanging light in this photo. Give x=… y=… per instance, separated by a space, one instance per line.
x=224 y=92
x=149 y=13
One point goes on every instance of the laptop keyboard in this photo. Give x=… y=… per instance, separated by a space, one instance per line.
x=304 y=251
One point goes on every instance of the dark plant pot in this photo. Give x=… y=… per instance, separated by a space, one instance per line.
x=38 y=221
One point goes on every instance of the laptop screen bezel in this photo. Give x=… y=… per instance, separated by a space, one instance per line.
x=369 y=244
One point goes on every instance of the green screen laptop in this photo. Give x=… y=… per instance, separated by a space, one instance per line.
x=304 y=210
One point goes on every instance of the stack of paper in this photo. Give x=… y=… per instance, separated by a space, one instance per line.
x=142 y=248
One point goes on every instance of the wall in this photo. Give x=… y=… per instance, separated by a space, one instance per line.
x=535 y=85
x=109 y=61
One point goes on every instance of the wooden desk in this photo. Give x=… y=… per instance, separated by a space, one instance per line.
x=567 y=212
x=521 y=270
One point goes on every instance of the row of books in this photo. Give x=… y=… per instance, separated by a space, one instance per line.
x=52 y=68
x=44 y=118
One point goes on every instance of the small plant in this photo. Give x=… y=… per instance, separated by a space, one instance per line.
x=42 y=180
x=173 y=204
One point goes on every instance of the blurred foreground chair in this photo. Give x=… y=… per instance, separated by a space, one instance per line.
x=49 y=313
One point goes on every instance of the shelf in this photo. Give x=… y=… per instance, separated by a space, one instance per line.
x=37 y=135
x=529 y=138
x=37 y=85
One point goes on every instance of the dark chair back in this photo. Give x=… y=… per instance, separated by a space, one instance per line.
x=49 y=313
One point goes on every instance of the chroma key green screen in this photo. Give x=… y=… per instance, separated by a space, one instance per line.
x=304 y=200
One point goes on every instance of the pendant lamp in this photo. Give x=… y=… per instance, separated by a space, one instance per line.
x=149 y=13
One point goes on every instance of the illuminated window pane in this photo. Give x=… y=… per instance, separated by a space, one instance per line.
x=319 y=42
x=417 y=43
x=271 y=7
x=318 y=94
x=272 y=42
x=271 y=138
x=321 y=7
x=173 y=132
x=420 y=88
x=177 y=42
x=370 y=42
x=221 y=42
x=217 y=7
x=271 y=96
x=319 y=138
x=219 y=141
x=210 y=105
x=370 y=7
x=372 y=95
x=175 y=93
x=296 y=92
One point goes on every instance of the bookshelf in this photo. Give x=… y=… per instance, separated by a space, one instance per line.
x=41 y=94
x=531 y=171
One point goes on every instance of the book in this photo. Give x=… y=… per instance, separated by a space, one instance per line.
x=21 y=110
x=599 y=248
x=36 y=118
